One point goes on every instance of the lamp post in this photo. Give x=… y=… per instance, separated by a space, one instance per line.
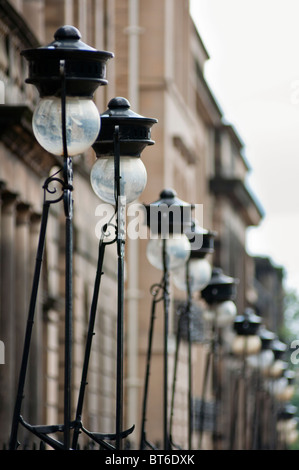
x=287 y=425
x=168 y=248
x=246 y=342
x=219 y=296
x=260 y=363
x=288 y=390
x=118 y=177
x=192 y=277
x=279 y=365
x=66 y=74
x=273 y=374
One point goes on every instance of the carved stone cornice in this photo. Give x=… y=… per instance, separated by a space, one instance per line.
x=9 y=200
x=241 y=197
x=23 y=213
x=17 y=135
x=16 y=25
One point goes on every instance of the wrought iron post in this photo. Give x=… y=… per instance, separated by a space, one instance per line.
x=167 y=218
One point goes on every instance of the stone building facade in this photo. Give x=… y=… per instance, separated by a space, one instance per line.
x=159 y=66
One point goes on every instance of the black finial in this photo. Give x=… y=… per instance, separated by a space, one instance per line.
x=67 y=32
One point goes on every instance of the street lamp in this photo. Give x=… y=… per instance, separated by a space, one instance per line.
x=196 y=272
x=289 y=389
x=287 y=424
x=219 y=296
x=265 y=358
x=247 y=340
x=279 y=365
x=283 y=388
x=260 y=363
x=245 y=343
x=168 y=248
x=273 y=376
x=134 y=136
x=66 y=74
x=192 y=277
x=123 y=136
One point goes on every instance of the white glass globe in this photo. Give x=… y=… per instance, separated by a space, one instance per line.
x=261 y=361
x=177 y=249
x=222 y=314
x=276 y=369
x=246 y=345
x=292 y=437
x=287 y=427
x=200 y=272
x=286 y=394
x=83 y=124
x=278 y=387
x=132 y=183
x=225 y=313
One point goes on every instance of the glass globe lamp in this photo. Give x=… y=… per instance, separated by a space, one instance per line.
x=222 y=314
x=286 y=425
x=245 y=345
x=279 y=366
x=289 y=390
x=124 y=135
x=276 y=369
x=292 y=436
x=82 y=124
x=262 y=361
x=265 y=359
x=66 y=70
x=287 y=429
x=177 y=250
x=282 y=389
x=247 y=341
x=286 y=394
x=199 y=275
x=168 y=218
x=132 y=183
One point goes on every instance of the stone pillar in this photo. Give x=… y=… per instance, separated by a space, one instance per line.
x=34 y=13
x=35 y=367
x=21 y=278
x=2 y=187
x=7 y=318
x=21 y=297
x=2 y=345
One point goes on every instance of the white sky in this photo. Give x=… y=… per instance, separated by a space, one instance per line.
x=253 y=72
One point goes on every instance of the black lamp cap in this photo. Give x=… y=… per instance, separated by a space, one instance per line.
x=84 y=66
x=290 y=376
x=169 y=214
x=68 y=37
x=279 y=348
x=168 y=196
x=266 y=337
x=287 y=412
x=248 y=323
x=134 y=130
x=220 y=288
x=201 y=240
